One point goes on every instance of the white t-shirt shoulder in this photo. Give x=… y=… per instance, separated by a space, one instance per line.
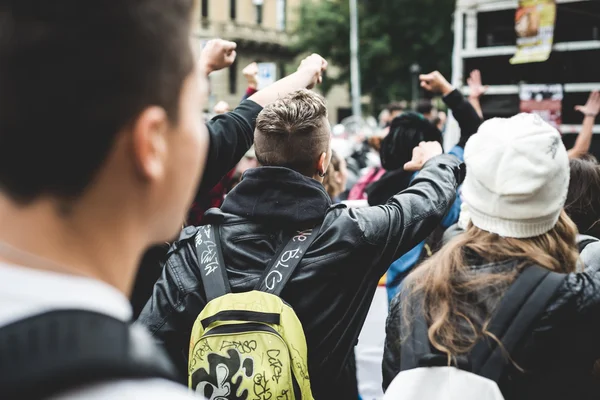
x=143 y=389
x=27 y=292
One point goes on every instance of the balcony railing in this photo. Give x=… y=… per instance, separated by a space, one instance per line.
x=232 y=30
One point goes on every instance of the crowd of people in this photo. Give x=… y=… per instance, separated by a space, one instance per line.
x=144 y=249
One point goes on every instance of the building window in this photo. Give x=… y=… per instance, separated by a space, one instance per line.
x=232 y=9
x=205 y=8
x=281 y=14
x=258 y=4
x=281 y=68
x=233 y=78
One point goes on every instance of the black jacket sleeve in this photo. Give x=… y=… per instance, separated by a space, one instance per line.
x=465 y=115
x=391 y=349
x=231 y=136
x=409 y=217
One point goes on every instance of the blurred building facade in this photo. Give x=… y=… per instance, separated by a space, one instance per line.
x=485 y=39
x=263 y=30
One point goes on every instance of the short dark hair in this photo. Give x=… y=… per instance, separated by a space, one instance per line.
x=72 y=75
x=397 y=106
x=582 y=203
x=406 y=132
x=424 y=107
x=293 y=132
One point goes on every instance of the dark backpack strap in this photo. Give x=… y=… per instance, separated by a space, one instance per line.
x=48 y=354
x=416 y=345
x=280 y=270
x=211 y=262
x=520 y=307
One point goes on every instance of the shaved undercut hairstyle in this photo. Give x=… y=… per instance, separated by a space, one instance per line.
x=293 y=132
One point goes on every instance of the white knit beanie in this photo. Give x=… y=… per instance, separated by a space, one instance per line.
x=517 y=176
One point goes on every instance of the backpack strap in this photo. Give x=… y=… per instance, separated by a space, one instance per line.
x=280 y=270
x=211 y=262
x=519 y=308
x=417 y=344
x=50 y=353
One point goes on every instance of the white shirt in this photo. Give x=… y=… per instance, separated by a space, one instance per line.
x=26 y=292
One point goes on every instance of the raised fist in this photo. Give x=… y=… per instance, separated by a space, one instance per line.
x=436 y=83
x=217 y=55
x=423 y=153
x=314 y=65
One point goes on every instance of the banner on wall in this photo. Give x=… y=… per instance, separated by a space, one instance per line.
x=543 y=100
x=534 y=24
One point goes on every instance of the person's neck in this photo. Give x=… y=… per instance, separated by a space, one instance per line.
x=76 y=242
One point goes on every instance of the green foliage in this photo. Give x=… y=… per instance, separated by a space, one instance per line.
x=393 y=34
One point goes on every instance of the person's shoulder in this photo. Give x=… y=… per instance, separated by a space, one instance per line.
x=147 y=389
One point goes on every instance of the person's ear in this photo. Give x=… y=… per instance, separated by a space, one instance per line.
x=323 y=163
x=149 y=132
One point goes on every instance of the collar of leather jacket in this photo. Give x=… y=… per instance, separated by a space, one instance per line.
x=278 y=196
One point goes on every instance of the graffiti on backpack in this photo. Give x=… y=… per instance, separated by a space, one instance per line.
x=200 y=350
x=275 y=364
x=208 y=258
x=261 y=389
x=299 y=363
x=218 y=382
x=284 y=395
x=244 y=347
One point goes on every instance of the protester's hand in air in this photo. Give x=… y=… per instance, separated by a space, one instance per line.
x=217 y=55
x=315 y=65
x=251 y=75
x=436 y=83
x=221 y=108
x=423 y=153
x=592 y=107
x=475 y=85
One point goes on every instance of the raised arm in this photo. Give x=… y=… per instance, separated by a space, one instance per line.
x=410 y=216
x=584 y=140
x=464 y=113
x=308 y=75
x=251 y=75
x=476 y=90
x=232 y=134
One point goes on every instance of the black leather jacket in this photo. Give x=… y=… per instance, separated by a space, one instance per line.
x=332 y=289
x=558 y=354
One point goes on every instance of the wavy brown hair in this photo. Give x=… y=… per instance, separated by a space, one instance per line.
x=333 y=187
x=452 y=293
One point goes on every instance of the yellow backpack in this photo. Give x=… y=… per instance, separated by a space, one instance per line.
x=248 y=345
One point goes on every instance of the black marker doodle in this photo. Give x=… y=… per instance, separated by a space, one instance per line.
x=261 y=390
x=245 y=347
x=275 y=364
x=218 y=383
x=200 y=349
x=284 y=395
x=299 y=363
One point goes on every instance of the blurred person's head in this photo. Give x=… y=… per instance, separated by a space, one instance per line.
x=515 y=189
x=337 y=176
x=440 y=120
x=396 y=108
x=406 y=132
x=294 y=132
x=221 y=107
x=583 y=198
x=101 y=136
x=384 y=118
x=425 y=108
